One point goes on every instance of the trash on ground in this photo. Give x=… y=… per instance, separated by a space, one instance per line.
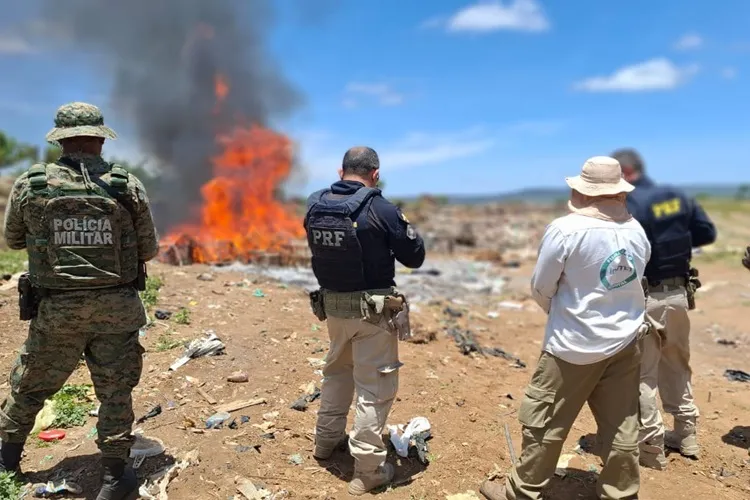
x=296 y=459
x=144 y=448
x=726 y=342
x=153 y=490
x=509 y=304
x=258 y=293
x=240 y=405
x=301 y=403
x=316 y=362
x=153 y=412
x=737 y=375
x=52 y=435
x=216 y=421
x=95 y=411
x=415 y=434
x=50 y=489
x=238 y=377
x=205 y=277
x=45 y=418
x=467 y=343
x=211 y=345
x=162 y=314
x=249 y=490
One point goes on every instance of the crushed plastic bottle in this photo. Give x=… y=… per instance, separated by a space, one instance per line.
x=51 y=489
x=216 y=420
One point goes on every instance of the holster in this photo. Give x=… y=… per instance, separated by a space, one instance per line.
x=317 y=304
x=392 y=309
x=140 y=280
x=28 y=298
x=692 y=286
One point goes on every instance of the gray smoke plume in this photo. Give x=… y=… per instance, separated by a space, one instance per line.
x=163 y=57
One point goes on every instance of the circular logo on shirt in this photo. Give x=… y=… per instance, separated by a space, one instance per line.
x=617 y=270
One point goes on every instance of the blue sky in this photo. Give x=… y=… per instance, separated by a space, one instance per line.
x=475 y=97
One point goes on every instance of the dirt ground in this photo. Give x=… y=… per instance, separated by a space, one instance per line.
x=466 y=399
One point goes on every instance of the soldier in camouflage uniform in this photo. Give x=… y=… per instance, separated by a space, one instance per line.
x=87 y=227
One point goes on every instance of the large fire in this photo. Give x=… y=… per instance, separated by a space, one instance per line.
x=239 y=214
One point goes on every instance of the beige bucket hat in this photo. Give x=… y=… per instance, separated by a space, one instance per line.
x=79 y=119
x=600 y=176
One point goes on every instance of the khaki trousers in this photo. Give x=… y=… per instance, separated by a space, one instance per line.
x=362 y=357
x=665 y=366
x=553 y=400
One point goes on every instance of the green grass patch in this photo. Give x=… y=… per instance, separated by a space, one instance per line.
x=150 y=296
x=166 y=342
x=10 y=487
x=182 y=317
x=72 y=406
x=12 y=261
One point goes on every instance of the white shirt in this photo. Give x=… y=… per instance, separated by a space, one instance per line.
x=588 y=280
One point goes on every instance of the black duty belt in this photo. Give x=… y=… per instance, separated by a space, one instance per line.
x=678 y=281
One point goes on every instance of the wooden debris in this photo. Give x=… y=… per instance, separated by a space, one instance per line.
x=239 y=405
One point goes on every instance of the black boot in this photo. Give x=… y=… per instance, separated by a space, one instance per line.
x=119 y=483
x=10 y=457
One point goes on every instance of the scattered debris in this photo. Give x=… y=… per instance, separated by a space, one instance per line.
x=301 y=403
x=240 y=405
x=469 y=495
x=216 y=421
x=165 y=477
x=161 y=314
x=249 y=490
x=730 y=343
x=144 y=448
x=508 y=304
x=209 y=399
x=52 y=435
x=50 y=489
x=467 y=344
x=206 y=277
x=453 y=313
x=737 y=375
x=414 y=434
x=316 y=362
x=208 y=346
x=296 y=459
x=238 y=377
x=153 y=412
x=258 y=293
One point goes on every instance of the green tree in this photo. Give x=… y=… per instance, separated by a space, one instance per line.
x=13 y=152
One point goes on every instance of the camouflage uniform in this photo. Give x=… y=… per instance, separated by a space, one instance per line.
x=103 y=323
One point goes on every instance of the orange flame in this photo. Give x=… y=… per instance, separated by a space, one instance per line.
x=240 y=213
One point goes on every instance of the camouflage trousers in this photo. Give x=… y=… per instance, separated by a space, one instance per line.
x=45 y=363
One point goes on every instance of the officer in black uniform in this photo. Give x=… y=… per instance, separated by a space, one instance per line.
x=355 y=235
x=674 y=225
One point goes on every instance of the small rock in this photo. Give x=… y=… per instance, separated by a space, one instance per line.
x=238 y=377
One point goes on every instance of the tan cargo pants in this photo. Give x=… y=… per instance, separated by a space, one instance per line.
x=362 y=357
x=553 y=400
x=665 y=366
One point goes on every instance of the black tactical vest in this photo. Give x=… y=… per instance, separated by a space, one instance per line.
x=332 y=237
x=668 y=226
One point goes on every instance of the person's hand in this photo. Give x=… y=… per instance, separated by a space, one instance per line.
x=746 y=258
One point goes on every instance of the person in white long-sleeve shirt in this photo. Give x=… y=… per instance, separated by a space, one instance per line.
x=588 y=280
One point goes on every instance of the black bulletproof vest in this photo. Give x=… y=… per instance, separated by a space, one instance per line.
x=332 y=237
x=668 y=228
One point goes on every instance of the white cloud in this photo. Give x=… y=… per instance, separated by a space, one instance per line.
x=12 y=44
x=729 y=73
x=689 y=41
x=653 y=75
x=487 y=16
x=384 y=94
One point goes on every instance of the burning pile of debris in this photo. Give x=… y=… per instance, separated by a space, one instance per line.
x=506 y=233
x=241 y=218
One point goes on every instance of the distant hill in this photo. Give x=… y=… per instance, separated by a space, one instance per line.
x=552 y=195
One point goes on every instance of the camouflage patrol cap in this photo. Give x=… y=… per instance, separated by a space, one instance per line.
x=78 y=119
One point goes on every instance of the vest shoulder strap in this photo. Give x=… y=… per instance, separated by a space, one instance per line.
x=358 y=199
x=37 y=176
x=118 y=178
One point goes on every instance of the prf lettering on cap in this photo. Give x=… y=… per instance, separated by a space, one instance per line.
x=82 y=231
x=666 y=208
x=329 y=238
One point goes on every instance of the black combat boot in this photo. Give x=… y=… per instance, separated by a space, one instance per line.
x=119 y=483
x=10 y=457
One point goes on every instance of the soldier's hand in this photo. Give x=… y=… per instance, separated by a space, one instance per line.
x=746 y=258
